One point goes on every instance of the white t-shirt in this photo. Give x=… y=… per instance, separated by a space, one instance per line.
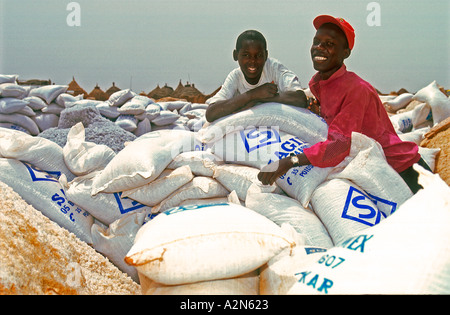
x=273 y=70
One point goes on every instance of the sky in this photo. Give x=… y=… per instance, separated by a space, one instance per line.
x=141 y=44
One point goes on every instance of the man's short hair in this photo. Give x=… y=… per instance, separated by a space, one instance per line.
x=250 y=35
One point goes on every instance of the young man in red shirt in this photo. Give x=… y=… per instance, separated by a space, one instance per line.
x=348 y=104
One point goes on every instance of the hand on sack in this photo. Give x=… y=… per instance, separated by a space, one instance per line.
x=314 y=105
x=271 y=172
x=267 y=90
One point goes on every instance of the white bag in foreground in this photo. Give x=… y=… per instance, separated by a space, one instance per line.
x=407 y=253
x=344 y=208
x=366 y=167
x=44 y=192
x=201 y=243
x=278 y=275
x=283 y=209
x=247 y=284
x=258 y=147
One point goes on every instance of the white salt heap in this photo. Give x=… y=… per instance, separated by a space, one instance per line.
x=39 y=257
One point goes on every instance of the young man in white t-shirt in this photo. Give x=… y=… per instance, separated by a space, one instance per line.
x=258 y=79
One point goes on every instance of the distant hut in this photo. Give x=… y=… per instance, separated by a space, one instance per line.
x=35 y=82
x=154 y=92
x=190 y=93
x=178 y=90
x=113 y=89
x=159 y=93
x=98 y=94
x=166 y=91
x=75 y=89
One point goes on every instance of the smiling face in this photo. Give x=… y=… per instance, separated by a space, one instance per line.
x=251 y=58
x=329 y=50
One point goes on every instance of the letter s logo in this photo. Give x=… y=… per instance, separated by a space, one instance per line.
x=372 y=211
x=360 y=208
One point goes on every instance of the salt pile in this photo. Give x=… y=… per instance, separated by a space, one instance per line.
x=139 y=169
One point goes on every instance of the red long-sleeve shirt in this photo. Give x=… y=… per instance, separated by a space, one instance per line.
x=348 y=103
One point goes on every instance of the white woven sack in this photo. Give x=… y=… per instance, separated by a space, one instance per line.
x=83 y=157
x=173 y=105
x=143 y=160
x=127 y=122
x=143 y=127
x=116 y=240
x=429 y=155
x=43 y=191
x=40 y=152
x=135 y=106
x=106 y=207
x=258 y=147
x=153 y=193
x=35 y=102
x=151 y=112
x=49 y=92
x=22 y=121
x=202 y=163
x=278 y=275
x=239 y=178
x=407 y=253
x=13 y=90
x=296 y=121
x=7 y=125
x=8 y=78
x=202 y=243
x=120 y=97
x=440 y=104
x=67 y=100
x=199 y=188
x=231 y=198
x=165 y=118
x=107 y=110
x=254 y=146
x=247 y=284
x=283 y=209
x=398 y=102
x=344 y=208
x=11 y=105
x=406 y=121
x=46 y=121
x=366 y=167
x=415 y=136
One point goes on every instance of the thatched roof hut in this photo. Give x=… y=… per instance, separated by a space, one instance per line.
x=158 y=92
x=113 y=89
x=75 y=89
x=190 y=93
x=98 y=94
x=178 y=90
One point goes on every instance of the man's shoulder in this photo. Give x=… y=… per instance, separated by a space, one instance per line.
x=361 y=85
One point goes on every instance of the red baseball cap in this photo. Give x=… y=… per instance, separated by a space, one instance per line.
x=343 y=25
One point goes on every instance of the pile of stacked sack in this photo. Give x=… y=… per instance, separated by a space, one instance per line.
x=34 y=109
x=182 y=212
